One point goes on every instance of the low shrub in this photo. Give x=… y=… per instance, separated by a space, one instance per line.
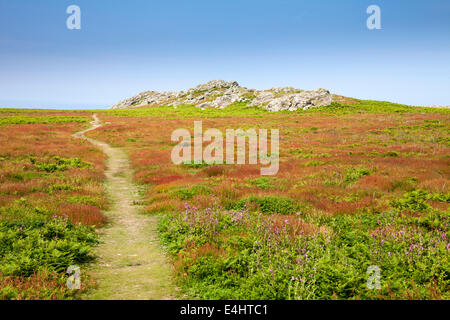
x=353 y=174
x=263 y=183
x=27 y=247
x=268 y=204
x=58 y=164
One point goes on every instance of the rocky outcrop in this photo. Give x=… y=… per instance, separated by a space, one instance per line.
x=262 y=98
x=233 y=94
x=220 y=93
x=303 y=100
x=147 y=98
x=437 y=106
x=215 y=84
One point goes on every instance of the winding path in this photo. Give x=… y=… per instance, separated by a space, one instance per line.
x=131 y=262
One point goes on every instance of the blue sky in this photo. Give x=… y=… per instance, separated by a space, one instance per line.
x=125 y=47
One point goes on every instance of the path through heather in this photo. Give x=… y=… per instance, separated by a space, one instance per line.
x=131 y=263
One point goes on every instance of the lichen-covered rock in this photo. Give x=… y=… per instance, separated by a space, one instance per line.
x=226 y=100
x=303 y=100
x=263 y=97
x=147 y=98
x=285 y=90
x=215 y=84
x=437 y=106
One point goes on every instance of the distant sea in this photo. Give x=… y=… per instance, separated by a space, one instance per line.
x=62 y=107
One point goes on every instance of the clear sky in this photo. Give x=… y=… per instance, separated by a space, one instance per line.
x=125 y=47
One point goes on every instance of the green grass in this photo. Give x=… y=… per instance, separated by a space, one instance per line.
x=187 y=111
x=263 y=183
x=56 y=163
x=268 y=204
x=44 y=119
x=188 y=193
x=235 y=109
x=242 y=109
x=353 y=174
x=373 y=106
